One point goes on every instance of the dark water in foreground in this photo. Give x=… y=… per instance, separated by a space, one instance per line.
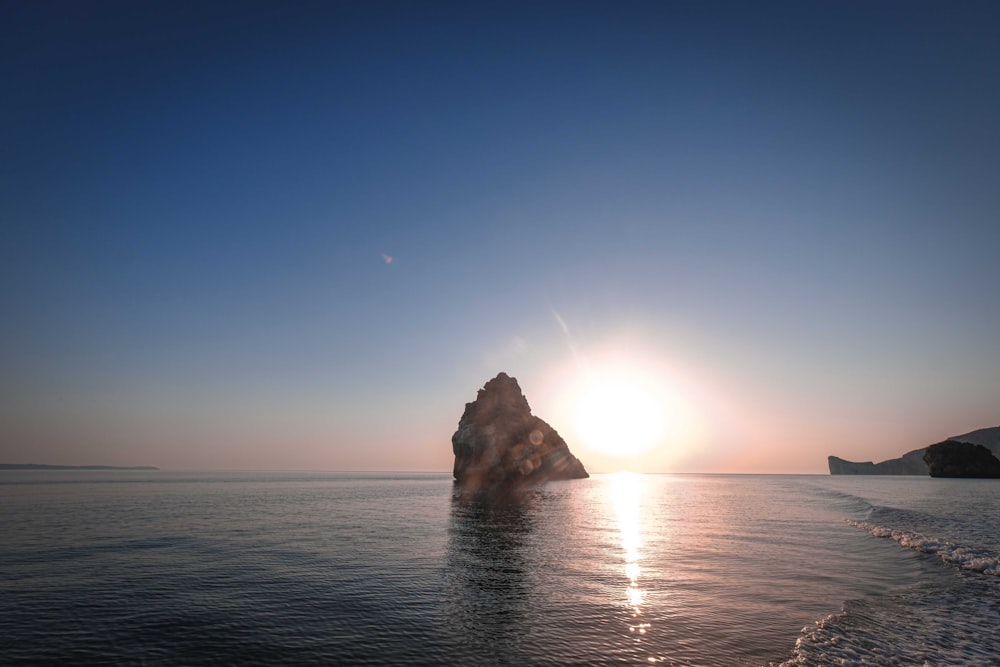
x=286 y=568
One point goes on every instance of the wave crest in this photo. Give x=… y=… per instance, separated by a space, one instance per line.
x=962 y=557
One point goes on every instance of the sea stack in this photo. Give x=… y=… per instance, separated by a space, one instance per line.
x=500 y=444
x=961 y=459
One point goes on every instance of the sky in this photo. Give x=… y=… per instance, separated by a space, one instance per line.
x=301 y=236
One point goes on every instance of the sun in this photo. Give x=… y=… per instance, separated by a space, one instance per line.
x=619 y=414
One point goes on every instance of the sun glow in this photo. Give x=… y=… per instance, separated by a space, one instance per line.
x=627 y=405
x=620 y=413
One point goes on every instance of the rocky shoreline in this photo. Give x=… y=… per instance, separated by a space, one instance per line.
x=974 y=454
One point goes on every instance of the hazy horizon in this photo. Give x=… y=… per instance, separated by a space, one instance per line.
x=612 y=465
x=256 y=236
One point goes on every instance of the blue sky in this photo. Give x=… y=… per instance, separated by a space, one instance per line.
x=786 y=212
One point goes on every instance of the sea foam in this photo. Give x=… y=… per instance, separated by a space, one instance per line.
x=962 y=557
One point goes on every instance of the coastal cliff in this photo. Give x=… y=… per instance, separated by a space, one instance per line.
x=910 y=463
x=914 y=462
x=499 y=443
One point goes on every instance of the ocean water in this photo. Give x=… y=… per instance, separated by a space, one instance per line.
x=140 y=568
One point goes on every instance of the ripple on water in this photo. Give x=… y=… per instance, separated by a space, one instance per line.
x=369 y=570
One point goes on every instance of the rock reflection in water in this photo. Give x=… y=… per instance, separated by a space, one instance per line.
x=524 y=585
x=488 y=572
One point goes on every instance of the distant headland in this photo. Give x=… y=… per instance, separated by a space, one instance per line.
x=42 y=466
x=965 y=455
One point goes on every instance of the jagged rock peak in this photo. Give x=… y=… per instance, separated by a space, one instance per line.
x=500 y=397
x=500 y=443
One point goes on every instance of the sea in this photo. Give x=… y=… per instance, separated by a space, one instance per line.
x=250 y=568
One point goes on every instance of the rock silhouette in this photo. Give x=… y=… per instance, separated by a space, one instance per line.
x=914 y=462
x=910 y=463
x=500 y=444
x=961 y=459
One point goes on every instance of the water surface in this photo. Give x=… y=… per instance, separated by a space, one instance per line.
x=294 y=568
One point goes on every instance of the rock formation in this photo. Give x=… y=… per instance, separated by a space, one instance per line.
x=499 y=443
x=961 y=459
x=913 y=462
x=910 y=463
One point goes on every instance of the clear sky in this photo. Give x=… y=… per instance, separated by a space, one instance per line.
x=257 y=235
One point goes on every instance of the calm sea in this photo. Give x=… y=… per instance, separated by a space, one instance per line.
x=123 y=568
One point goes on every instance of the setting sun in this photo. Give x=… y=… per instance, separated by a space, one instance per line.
x=617 y=414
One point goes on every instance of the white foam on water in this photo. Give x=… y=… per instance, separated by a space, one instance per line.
x=897 y=635
x=962 y=557
x=942 y=621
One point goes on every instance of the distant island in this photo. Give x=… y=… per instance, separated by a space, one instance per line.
x=962 y=461
x=42 y=466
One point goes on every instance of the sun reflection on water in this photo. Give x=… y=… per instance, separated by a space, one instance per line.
x=626 y=493
x=626 y=490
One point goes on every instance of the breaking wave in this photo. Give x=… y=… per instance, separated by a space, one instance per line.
x=929 y=628
x=962 y=557
x=950 y=614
